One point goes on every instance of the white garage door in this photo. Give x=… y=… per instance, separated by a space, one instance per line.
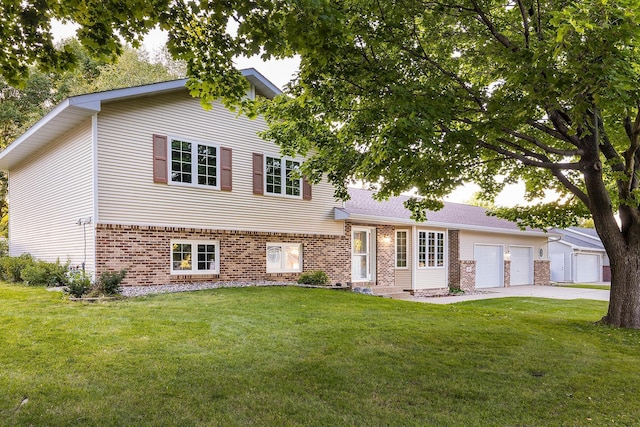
x=587 y=268
x=489 y=266
x=521 y=265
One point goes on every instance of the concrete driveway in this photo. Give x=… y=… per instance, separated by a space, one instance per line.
x=555 y=292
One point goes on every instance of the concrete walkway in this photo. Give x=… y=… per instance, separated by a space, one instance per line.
x=555 y=292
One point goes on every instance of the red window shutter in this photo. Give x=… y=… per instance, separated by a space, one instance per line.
x=258 y=173
x=160 y=168
x=225 y=169
x=306 y=189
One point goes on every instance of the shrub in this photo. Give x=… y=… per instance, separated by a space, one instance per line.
x=12 y=267
x=4 y=247
x=43 y=273
x=318 y=277
x=109 y=282
x=79 y=283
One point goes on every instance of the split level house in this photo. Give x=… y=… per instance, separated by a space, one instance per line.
x=145 y=179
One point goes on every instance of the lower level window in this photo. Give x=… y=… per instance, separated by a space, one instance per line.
x=194 y=257
x=284 y=257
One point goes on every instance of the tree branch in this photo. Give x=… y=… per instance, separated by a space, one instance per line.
x=540 y=144
x=487 y=22
x=525 y=22
x=554 y=133
x=571 y=187
x=530 y=162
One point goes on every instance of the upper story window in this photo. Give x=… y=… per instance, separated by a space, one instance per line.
x=430 y=249
x=194 y=257
x=280 y=176
x=194 y=163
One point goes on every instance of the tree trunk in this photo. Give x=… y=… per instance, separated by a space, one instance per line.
x=624 y=301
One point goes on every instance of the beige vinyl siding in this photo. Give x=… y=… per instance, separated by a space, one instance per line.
x=429 y=277
x=47 y=196
x=128 y=195
x=403 y=275
x=469 y=238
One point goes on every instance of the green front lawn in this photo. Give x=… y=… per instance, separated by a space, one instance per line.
x=291 y=356
x=584 y=286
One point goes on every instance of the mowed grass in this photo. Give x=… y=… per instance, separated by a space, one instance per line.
x=291 y=356
x=584 y=286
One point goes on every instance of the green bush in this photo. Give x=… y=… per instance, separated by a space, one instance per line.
x=43 y=273
x=4 y=247
x=12 y=267
x=79 y=283
x=318 y=277
x=109 y=282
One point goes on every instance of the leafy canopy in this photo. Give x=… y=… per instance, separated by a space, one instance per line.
x=408 y=94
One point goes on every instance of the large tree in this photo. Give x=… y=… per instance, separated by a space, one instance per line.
x=427 y=95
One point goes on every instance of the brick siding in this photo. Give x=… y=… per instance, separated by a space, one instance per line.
x=467 y=275
x=454 y=259
x=541 y=272
x=146 y=253
x=507 y=273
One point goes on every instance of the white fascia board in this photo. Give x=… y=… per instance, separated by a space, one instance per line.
x=36 y=137
x=578 y=248
x=404 y=221
x=261 y=83
x=583 y=235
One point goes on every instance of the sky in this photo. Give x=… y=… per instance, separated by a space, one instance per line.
x=280 y=72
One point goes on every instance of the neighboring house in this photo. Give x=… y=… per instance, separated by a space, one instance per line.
x=145 y=179
x=578 y=256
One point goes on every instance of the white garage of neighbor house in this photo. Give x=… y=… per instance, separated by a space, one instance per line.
x=578 y=256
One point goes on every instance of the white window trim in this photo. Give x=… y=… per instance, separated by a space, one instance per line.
x=407 y=252
x=283 y=247
x=194 y=262
x=371 y=236
x=194 y=164
x=283 y=176
x=444 y=250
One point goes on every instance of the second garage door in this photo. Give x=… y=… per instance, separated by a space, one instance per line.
x=587 y=268
x=521 y=272
x=489 y=266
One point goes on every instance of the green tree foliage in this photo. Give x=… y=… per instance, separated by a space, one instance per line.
x=418 y=95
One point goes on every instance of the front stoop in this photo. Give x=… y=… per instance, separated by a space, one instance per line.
x=388 y=291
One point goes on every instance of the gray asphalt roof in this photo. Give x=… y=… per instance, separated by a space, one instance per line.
x=583 y=242
x=362 y=203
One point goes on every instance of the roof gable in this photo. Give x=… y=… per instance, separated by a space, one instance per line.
x=581 y=238
x=76 y=109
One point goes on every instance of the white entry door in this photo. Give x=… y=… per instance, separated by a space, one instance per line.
x=521 y=272
x=557 y=268
x=587 y=268
x=489 y=266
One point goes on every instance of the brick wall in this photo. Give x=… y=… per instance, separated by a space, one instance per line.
x=467 y=275
x=146 y=253
x=454 y=259
x=541 y=272
x=507 y=273
x=386 y=256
